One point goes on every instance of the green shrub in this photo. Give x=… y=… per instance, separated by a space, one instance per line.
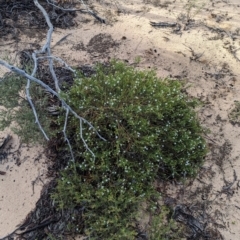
x=163 y=227
x=151 y=131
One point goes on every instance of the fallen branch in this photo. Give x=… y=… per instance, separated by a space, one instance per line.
x=195 y=56
x=163 y=24
x=64 y=104
x=46 y=49
x=86 y=10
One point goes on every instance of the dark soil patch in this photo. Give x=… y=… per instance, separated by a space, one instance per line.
x=23 y=17
x=79 y=47
x=102 y=44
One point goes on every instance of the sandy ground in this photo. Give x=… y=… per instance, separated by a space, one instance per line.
x=205 y=53
x=20 y=187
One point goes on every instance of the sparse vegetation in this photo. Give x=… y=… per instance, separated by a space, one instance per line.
x=17 y=112
x=163 y=227
x=190 y=10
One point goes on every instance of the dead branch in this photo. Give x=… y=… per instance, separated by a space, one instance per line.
x=86 y=10
x=46 y=49
x=195 y=56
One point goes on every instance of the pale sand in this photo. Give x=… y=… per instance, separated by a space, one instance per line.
x=24 y=165
x=169 y=54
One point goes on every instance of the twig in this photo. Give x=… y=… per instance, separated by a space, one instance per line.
x=85 y=144
x=47 y=46
x=35 y=181
x=59 y=60
x=234 y=52
x=7 y=44
x=34 y=110
x=65 y=135
x=163 y=24
x=64 y=9
x=194 y=56
x=62 y=39
x=86 y=10
x=219 y=30
x=91 y=12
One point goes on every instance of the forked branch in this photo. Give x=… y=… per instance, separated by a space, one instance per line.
x=46 y=49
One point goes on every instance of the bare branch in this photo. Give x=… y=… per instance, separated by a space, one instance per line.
x=64 y=9
x=64 y=104
x=85 y=144
x=46 y=49
x=86 y=10
x=47 y=46
x=59 y=60
x=65 y=135
x=34 y=110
